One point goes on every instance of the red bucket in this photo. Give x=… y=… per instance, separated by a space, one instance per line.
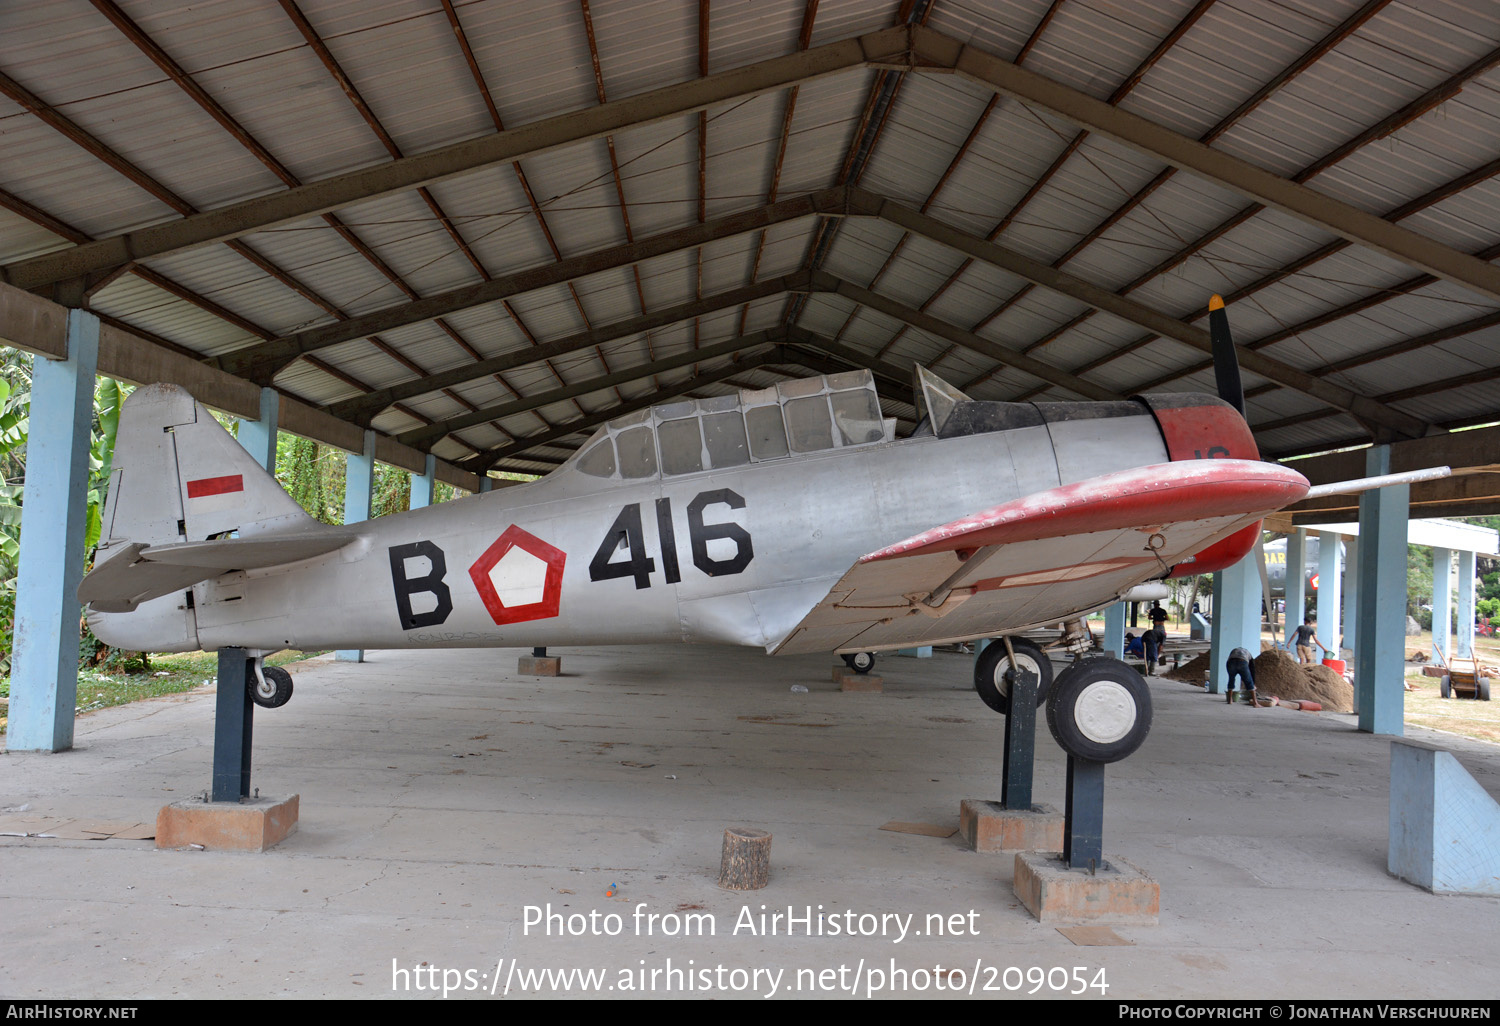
x=1336 y=665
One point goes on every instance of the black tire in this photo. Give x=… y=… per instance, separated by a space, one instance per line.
x=993 y=663
x=1483 y=693
x=273 y=689
x=860 y=662
x=1100 y=710
x=1445 y=687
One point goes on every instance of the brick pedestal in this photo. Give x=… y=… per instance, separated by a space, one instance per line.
x=540 y=666
x=990 y=827
x=1118 y=894
x=253 y=824
x=848 y=680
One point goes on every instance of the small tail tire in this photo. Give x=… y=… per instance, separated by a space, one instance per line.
x=859 y=662
x=272 y=689
x=1100 y=710
x=1445 y=687
x=992 y=667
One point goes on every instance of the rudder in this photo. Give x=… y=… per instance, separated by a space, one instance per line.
x=179 y=476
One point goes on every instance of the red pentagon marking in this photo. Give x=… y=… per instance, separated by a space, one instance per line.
x=528 y=586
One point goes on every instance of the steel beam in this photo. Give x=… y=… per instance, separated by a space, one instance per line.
x=263 y=361
x=1100 y=298
x=483 y=462
x=899 y=378
x=427 y=436
x=407 y=173
x=1188 y=154
x=824 y=282
x=363 y=409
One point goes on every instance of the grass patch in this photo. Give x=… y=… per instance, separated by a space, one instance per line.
x=1426 y=707
x=169 y=675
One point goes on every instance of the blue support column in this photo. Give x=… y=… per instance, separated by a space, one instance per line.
x=1442 y=606
x=1463 y=627
x=1114 y=630
x=1351 y=599
x=421 y=487
x=44 y=667
x=1236 y=617
x=359 y=492
x=1296 y=578
x=259 y=436
x=486 y=483
x=1380 y=658
x=1330 y=591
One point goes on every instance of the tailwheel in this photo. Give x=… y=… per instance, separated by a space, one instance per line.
x=859 y=662
x=272 y=688
x=992 y=672
x=1099 y=710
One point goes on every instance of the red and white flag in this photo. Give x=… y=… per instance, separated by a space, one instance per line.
x=213 y=494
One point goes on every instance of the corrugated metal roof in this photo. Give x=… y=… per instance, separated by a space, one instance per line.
x=130 y=139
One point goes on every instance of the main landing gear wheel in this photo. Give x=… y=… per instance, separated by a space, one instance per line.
x=272 y=689
x=859 y=662
x=1099 y=709
x=993 y=665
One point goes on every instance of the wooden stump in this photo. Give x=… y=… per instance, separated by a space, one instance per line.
x=745 y=864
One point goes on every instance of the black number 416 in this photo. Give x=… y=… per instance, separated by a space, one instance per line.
x=627 y=533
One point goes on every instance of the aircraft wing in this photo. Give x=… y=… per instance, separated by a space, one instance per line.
x=139 y=573
x=1041 y=558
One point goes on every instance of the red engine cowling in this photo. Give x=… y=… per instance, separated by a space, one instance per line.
x=1203 y=427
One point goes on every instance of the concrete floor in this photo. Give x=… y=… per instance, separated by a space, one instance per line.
x=442 y=794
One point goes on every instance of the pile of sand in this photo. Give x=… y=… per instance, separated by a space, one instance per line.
x=1277 y=673
x=1190 y=672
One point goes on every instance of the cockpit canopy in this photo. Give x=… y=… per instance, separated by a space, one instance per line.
x=808 y=415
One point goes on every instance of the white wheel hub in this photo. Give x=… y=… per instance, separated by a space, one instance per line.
x=1104 y=712
x=1023 y=663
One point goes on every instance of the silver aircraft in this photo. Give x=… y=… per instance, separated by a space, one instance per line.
x=790 y=518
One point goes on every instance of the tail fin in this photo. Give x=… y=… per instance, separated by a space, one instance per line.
x=186 y=504
x=178 y=476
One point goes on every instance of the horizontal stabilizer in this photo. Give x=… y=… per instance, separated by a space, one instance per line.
x=1041 y=558
x=139 y=573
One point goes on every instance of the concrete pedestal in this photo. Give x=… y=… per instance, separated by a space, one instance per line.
x=252 y=824
x=540 y=666
x=848 y=680
x=990 y=827
x=1119 y=894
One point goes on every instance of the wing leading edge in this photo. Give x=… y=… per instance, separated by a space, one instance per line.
x=1043 y=557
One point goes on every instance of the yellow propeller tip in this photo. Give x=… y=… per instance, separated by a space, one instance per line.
x=1215 y=302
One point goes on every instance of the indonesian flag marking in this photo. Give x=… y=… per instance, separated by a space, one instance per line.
x=213 y=494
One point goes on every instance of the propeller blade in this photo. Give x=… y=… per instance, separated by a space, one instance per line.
x=1226 y=363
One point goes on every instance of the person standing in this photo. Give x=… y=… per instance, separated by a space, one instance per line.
x=1151 y=639
x=1238 y=666
x=1158 y=617
x=1307 y=637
